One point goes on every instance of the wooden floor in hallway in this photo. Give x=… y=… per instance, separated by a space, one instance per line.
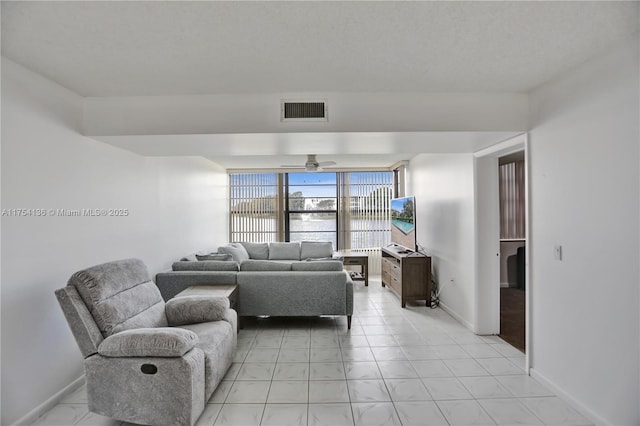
x=512 y=316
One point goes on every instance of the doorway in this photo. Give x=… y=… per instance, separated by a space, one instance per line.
x=489 y=254
x=511 y=190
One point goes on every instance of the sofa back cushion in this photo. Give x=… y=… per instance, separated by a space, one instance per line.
x=284 y=251
x=206 y=265
x=265 y=265
x=257 y=251
x=236 y=250
x=316 y=250
x=320 y=265
x=120 y=296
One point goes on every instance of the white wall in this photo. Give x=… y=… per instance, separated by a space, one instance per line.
x=584 y=195
x=176 y=206
x=444 y=189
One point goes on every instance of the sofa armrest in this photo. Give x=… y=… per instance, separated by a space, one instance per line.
x=149 y=342
x=231 y=316
x=194 y=309
x=349 y=294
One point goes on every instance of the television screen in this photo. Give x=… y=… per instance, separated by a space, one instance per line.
x=403 y=222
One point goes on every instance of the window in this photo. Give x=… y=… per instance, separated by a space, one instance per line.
x=311 y=207
x=512 y=196
x=254 y=207
x=366 y=216
x=350 y=209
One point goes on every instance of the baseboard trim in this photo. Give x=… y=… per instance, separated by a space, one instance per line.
x=566 y=397
x=54 y=400
x=458 y=318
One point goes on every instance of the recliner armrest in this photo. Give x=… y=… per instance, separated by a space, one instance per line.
x=149 y=342
x=194 y=309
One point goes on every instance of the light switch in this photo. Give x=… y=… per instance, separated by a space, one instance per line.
x=557 y=252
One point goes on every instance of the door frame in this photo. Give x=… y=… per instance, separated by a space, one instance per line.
x=487 y=221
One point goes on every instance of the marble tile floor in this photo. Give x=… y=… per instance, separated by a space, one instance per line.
x=412 y=366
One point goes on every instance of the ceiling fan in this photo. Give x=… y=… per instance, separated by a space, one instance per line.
x=312 y=165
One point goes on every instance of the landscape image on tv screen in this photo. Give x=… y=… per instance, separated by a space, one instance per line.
x=403 y=227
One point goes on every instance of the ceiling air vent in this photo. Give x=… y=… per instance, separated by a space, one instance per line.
x=296 y=110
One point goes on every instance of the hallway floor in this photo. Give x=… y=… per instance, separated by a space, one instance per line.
x=413 y=366
x=512 y=317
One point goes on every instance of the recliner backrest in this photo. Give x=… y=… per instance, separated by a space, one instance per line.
x=83 y=326
x=120 y=296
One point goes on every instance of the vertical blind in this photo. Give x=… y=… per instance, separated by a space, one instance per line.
x=512 y=197
x=254 y=200
x=366 y=214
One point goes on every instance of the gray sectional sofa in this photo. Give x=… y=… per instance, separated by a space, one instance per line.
x=273 y=279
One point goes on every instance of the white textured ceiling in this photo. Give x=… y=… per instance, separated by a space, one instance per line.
x=152 y=48
x=135 y=48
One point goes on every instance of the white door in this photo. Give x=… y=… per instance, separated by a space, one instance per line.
x=487 y=246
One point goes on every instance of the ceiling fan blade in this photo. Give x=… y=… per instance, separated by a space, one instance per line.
x=312 y=165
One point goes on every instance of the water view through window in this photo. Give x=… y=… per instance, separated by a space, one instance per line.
x=312 y=207
x=350 y=209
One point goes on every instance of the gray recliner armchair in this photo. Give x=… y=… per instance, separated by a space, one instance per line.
x=146 y=361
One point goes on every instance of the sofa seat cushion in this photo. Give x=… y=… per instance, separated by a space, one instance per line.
x=206 y=265
x=149 y=342
x=218 y=341
x=236 y=250
x=284 y=251
x=316 y=250
x=257 y=251
x=265 y=265
x=320 y=265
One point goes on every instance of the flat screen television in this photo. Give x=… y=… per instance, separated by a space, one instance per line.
x=403 y=222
